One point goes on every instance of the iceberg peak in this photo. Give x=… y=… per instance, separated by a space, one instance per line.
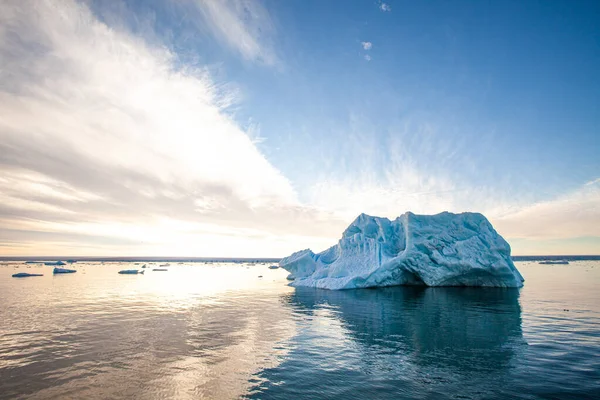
x=445 y=249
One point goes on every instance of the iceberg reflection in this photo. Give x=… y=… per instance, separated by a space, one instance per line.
x=427 y=320
x=403 y=340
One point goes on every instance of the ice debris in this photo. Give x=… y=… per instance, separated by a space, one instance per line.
x=54 y=263
x=131 y=272
x=63 y=271
x=25 y=275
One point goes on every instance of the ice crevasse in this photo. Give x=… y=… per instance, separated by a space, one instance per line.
x=445 y=249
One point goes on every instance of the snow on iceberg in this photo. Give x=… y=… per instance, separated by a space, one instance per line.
x=434 y=250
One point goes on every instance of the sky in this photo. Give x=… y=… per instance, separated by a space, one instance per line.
x=246 y=128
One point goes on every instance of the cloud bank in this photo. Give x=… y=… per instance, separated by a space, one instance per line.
x=105 y=137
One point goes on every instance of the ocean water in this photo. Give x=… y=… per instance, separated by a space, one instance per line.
x=220 y=331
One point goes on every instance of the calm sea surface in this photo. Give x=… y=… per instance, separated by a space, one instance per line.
x=219 y=331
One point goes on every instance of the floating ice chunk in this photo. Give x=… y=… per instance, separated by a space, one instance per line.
x=63 y=271
x=25 y=275
x=552 y=262
x=131 y=272
x=433 y=250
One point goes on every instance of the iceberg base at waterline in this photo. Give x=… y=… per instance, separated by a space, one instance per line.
x=445 y=249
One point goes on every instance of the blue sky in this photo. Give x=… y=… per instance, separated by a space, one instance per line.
x=266 y=127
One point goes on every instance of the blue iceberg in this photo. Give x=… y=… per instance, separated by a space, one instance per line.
x=131 y=272
x=431 y=250
x=25 y=275
x=63 y=271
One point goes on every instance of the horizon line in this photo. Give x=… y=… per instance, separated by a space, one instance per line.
x=574 y=257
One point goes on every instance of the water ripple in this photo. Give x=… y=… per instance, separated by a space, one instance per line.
x=202 y=331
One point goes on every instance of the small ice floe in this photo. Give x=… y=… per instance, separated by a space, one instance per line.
x=260 y=276
x=54 y=263
x=159 y=269
x=131 y=272
x=25 y=275
x=552 y=262
x=273 y=266
x=63 y=271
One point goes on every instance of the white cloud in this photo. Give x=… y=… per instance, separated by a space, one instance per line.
x=244 y=25
x=103 y=137
x=385 y=7
x=122 y=103
x=367 y=57
x=366 y=45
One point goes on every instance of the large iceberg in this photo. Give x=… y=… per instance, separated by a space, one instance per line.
x=433 y=250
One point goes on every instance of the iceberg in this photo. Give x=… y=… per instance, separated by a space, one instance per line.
x=25 y=275
x=63 y=271
x=54 y=263
x=131 y=272
x=445 y=249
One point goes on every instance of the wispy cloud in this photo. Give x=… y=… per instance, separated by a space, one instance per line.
x=243 y=25
x=367 y=57
x=570 y=215
x=385 y=7
x=366 y=45
x=399 y=176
